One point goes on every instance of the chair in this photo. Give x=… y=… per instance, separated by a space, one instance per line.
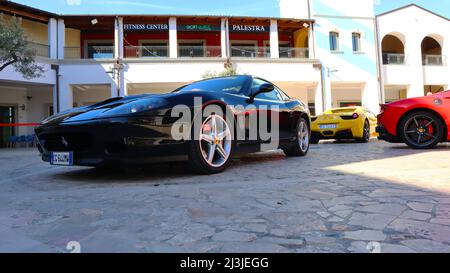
x=12 y=141
x=31 y=139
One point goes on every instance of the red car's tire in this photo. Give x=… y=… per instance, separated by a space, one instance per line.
x=421 y=130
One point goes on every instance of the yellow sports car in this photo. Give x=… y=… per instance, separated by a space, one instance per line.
x=344 y=123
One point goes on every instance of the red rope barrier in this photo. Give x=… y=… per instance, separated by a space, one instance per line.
x=18 y=124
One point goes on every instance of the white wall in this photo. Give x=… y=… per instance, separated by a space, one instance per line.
x=415 y=24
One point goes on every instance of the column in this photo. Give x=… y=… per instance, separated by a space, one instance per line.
x=61 y=39
x=318 y=99
x=53 y=38
x=65 y=97
x=173 y=39
x=312 y=53
x=118 y=38
x=413 y=53
x=371 y=95
x=326 y=93
x=274 y=42
x=224 y=37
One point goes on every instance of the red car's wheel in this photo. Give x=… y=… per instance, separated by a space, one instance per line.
x=421 y=130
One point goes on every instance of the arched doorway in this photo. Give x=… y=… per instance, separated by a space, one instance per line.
x=431 y=51
x=393 y=50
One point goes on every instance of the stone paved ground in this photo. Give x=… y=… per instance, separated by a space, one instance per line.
x=338 y=199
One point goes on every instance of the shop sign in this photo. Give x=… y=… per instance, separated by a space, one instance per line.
x=249 y=28
x=145 y=27
x=199 y=28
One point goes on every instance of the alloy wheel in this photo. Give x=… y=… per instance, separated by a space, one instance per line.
x=421 y=130
x=215 y=141
x=303 y=136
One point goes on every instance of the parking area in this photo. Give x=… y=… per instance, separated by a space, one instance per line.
x=342 y=197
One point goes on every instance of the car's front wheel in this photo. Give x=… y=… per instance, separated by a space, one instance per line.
x=421 y=130
x=211 y=148
x=301 y=145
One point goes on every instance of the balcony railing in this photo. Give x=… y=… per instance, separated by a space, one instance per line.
x=250 y=52
x=200 y=51
x=146 y=51
x=294 y=52
x=389 y=58
x=40 y=50
x=433 y=60
x=93 y=52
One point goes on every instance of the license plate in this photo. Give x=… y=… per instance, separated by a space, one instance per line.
x=61 y=158
x=328 y=126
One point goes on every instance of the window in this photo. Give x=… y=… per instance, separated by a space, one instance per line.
x=356 y=42
x=228 y=84
x=100 y=50
x=312 y=108
x=273 y=95
x=191 y=49
x=154 y=49
x=248 y=50
x=334 y=41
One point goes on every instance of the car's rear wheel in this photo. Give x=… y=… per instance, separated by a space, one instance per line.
x=366 y=133
x=211 y=149
x=301 y=145
x=421 y=130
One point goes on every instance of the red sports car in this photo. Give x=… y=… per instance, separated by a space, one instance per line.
x=421 y=123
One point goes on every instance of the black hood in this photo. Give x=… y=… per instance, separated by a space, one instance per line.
x=98 y=109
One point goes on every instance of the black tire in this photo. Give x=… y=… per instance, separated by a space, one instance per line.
x=197 y=162
x=423 y=137
x=366 y=133
x=301 y=146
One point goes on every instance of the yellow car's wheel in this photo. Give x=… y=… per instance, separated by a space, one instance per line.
x=366 y=133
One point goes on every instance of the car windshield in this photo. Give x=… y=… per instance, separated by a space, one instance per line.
x=227 y=84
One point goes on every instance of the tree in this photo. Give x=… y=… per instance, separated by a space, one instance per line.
x=230 y=70
x=15 y=50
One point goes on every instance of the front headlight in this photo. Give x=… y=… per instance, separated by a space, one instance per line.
x=136 y=106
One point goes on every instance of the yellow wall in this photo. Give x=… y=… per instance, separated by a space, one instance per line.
x=35 y=32
x=301 y=38
x=72 y=37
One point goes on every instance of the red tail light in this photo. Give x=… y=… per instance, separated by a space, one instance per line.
x=355 y=116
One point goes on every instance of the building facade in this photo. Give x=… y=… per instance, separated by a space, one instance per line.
x=318 y=52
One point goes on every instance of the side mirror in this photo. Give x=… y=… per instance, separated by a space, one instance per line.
x=264 y=88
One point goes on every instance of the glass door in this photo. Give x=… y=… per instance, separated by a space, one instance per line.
x=7 y=116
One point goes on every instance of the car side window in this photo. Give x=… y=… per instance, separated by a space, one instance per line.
x=283 y=95
x=273 y=95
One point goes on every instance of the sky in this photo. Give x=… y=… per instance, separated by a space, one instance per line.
x=263 y=8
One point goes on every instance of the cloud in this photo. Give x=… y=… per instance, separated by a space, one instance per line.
x=378 y=2
x=73 y=2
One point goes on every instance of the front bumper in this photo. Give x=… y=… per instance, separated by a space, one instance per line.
x=112 y=141
x=384 y=135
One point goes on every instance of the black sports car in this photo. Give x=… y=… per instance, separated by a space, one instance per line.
x=151 y=128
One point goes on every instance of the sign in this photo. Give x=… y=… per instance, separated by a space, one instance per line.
x=145 y=27
x=249 y=28
x=199 y=28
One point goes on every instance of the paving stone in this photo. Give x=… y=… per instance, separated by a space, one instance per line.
x=422 y=207
x=426 y=246
x=441 y=221
x=420 y=229
x=365 y=235
x=371 y=220
x=391 y=209
x=411 y=214
x=233 y=236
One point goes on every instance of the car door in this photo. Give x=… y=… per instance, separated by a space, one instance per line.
x=275 y=105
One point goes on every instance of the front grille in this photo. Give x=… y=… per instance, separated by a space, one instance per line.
x=327 y=133
x=75 y=142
